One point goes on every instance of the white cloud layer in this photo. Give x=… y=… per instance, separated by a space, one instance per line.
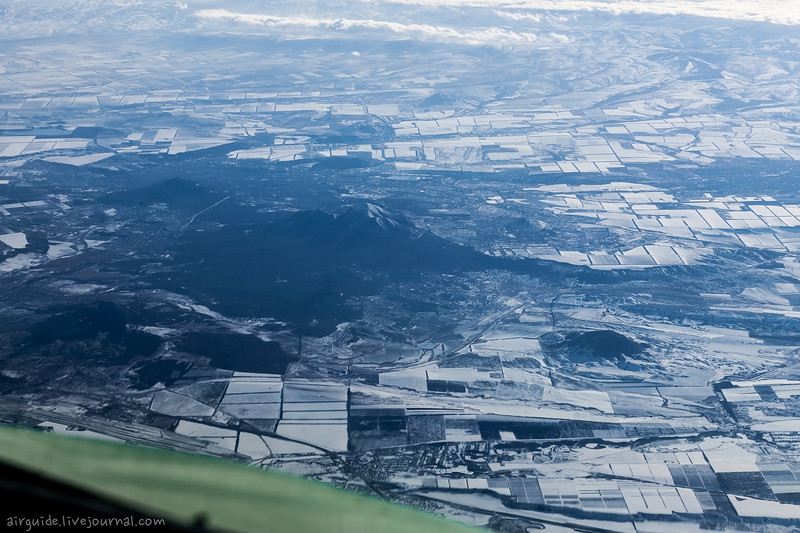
x=490 y=35
x=774 y=11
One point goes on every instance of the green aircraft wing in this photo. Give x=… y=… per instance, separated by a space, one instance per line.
x=186 y=489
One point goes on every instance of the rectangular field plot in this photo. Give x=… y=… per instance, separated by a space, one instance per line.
x=253 y=397
x=315 y=413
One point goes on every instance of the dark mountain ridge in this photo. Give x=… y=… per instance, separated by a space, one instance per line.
x=304 y=267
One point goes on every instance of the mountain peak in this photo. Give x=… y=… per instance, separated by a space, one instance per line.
x=368 y=215
x=438 y=99
x=381 y=216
